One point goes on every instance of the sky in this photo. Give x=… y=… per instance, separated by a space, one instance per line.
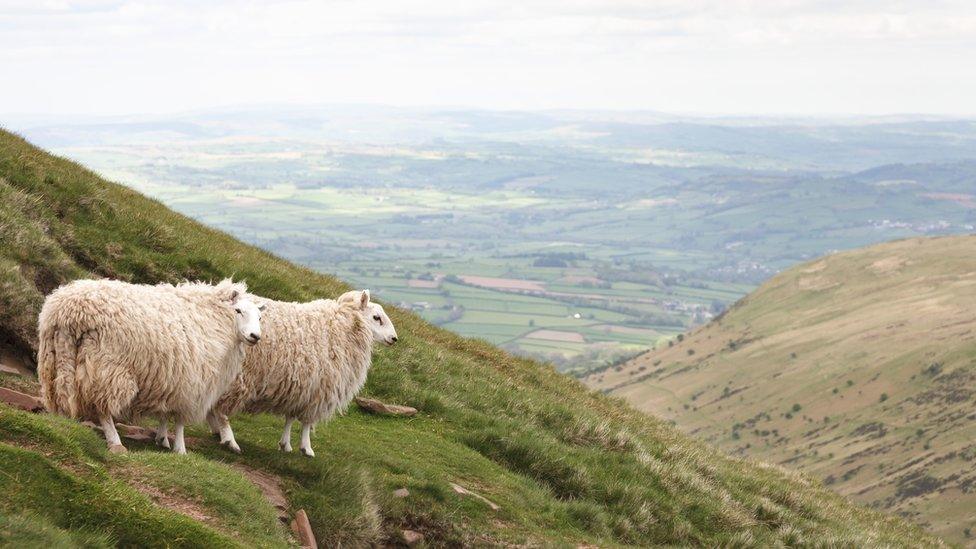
x=791 y=57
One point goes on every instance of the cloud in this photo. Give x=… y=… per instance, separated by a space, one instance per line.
x=719 y=56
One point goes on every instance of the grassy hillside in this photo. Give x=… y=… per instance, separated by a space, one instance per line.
x=565 y=465
x=859 y=368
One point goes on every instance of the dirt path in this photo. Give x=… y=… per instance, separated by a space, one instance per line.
x=270 y=486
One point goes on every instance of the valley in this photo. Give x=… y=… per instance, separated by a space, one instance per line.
x=604 y=236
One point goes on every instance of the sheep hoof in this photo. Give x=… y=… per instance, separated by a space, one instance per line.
x=284 y=447
x=307 y=452
x=163 y=442
x=231 y=445
x=117 y=449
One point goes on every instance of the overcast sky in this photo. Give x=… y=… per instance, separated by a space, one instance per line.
x=685 y=56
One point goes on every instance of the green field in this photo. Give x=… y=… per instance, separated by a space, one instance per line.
x=601 y=231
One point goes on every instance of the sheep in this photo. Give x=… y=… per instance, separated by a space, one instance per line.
x=312 y=362
x=110 y=349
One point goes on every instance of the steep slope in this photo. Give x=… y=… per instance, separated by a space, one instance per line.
x=859 y=368
x=563 y=464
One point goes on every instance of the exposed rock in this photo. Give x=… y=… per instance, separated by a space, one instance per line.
x=401 y=493
x=376 y=407
x=135 y=432
x=11 y=364
x=20 y=400
x=465 y=492
x=303 y=530
x=9 y=370
x=411 y=537
x=140 y=437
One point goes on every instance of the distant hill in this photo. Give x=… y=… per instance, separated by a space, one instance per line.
x=564 y=465
x=858 y=368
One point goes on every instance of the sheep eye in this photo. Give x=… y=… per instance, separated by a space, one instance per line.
x=239 y=311
x=377 y=319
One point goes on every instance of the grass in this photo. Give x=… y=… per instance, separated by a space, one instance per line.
x=59 y=470
x=857 y=368
x=565 y=465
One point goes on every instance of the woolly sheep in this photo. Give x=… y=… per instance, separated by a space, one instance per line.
x=312 y=361
x=110 y=349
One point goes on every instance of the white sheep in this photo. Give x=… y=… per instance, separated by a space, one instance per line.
x=110 y=349
x=312 y=361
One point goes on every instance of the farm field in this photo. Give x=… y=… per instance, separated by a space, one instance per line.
x=497 y=226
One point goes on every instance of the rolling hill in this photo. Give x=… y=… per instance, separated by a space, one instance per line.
x=565 y=466
x=858 y=368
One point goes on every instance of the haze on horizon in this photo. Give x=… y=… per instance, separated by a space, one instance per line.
x=800 y=57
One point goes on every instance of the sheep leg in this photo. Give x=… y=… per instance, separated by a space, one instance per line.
x=306 y=446
x=285 y=443
x=214 y=423
x=180 y=445
x=162 y=433
x=226 y=433
x=111 y=435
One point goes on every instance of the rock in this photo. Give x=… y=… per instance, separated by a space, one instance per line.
x=117 y=449
x=465 y=492
x=140 y=437
x=10 y=370
x=135 y=432
x=11 y=364
x=411 y=537
x=303 y=530
x=20 y=400
x=401 y=493
x=376 y=407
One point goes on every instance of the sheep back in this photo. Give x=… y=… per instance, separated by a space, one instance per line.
x=119 y=349
x=312 y=360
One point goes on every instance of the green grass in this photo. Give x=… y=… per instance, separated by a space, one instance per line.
x=34 y=531
x=873 y=345
x=59 y=470
x=565 y=465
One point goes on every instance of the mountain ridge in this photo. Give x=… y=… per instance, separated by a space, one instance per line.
x=847 y=367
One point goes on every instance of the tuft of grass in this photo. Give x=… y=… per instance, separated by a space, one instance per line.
x=31 y=530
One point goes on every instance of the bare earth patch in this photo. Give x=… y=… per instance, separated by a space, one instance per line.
x=816 y=283
x=816 y=267
x=270 y=486
x=173 y=502
x=888 y=265
x=964 y=200
x=415 y=283
x=556 y=335
x=628 y=330
x=580 y=279
x=504 y=283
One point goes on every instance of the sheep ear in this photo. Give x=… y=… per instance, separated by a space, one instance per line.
x=348 y=297
x=364 y=299
x=234 y=296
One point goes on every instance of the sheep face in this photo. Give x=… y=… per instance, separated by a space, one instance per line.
x=380 y=324
x=248 y=320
